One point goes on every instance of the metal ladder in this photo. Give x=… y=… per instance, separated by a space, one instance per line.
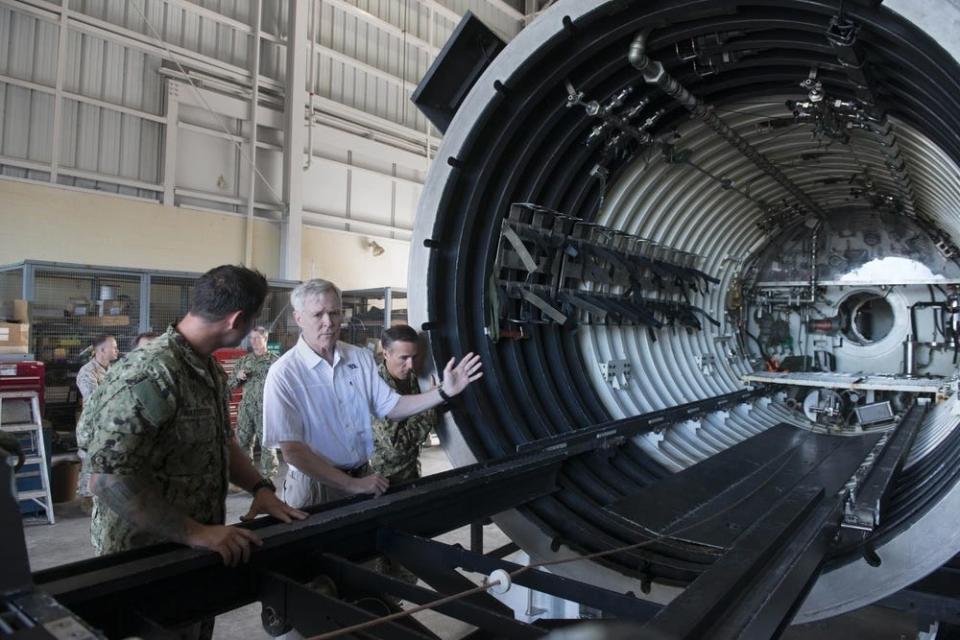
x=36 y=454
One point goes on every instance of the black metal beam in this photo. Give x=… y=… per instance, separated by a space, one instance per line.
x=97 y=589
x=753 y=590
x=863 y=514
x=348 y=575
x=597 y=435
x=446 y=580
x=406 y=548
x=312 y=612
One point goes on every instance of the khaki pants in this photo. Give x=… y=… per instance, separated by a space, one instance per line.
x=301 y=490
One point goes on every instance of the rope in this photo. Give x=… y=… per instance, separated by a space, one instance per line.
x=482 y=588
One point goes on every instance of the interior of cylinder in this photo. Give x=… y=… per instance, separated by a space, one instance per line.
x=857 y=278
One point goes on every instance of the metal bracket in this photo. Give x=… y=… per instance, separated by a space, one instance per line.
x=707 y=363
x=616 y=373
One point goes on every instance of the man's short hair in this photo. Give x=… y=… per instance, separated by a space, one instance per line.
x=262 y=330
x=99 y=340
x=311 y=288
x=146 y=335
x=399 y=333
x=226 y=289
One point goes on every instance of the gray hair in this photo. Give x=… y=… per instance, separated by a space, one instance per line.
x=309 y=289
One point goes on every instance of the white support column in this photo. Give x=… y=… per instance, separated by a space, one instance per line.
x=58 y=95
x=294 y=138
x=252 y=145
x=170 y=142
x=530 y=9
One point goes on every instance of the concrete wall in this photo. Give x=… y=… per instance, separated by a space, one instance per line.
x=348 y=260
x=46 y=223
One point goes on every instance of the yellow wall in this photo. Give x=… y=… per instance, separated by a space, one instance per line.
x=39 y=222
x=346 y=260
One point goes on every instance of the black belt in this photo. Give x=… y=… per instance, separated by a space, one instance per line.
x=357 y=472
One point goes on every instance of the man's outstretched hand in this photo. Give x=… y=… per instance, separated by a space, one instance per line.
x=457 y=378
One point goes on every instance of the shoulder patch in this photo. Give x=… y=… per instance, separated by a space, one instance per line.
x=155 y=406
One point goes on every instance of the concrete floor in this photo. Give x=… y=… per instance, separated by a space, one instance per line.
x=69 y=541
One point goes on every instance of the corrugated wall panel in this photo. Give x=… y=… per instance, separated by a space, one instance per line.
x=201 y=33
x=19 y=47
x=45 y=53
x=370 y=56
x=26 y=120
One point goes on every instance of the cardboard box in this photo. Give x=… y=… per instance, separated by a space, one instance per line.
x=15 y=311
x=112 y=307
x=79 y=307
x=46 y=312
x=105 y=321
x=14 y=337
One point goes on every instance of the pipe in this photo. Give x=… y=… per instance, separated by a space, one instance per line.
x=655 y=74
x=254 y=105
x=314 y=22
x=909 y=358
x=913 y=316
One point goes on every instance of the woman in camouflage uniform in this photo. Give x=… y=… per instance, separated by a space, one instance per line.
x=250 y=372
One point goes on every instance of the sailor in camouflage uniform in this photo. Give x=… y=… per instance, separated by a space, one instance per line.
x=160 y=448
x=396 y=443
x=250 y=372
x=90 y=376
x=105 y=352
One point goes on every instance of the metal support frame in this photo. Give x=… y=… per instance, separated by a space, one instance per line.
x=170 y=130
x=352 y=577
x=407 y=549
x=252 y=122
x=869 y=494
x=145 y=285
x=114 y=592
x=294 y=139
x=309 y=574
x=289 y=604
x=28 y=281
x=58 y=94
x=387 y=307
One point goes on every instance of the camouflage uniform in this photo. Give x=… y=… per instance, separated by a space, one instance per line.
x=88 y=379
x=160 y=415
x=250 y=414
x=396 y=443
x=396 y=454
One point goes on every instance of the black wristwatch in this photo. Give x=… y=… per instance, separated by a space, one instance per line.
x=264 y=483
x=443 y=394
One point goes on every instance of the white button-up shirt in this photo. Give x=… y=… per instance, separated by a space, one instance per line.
x=326 y=407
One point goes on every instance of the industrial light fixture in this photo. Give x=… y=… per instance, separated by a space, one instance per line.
x=375 y=248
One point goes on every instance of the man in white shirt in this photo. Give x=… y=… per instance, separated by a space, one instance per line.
x=319 y=396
